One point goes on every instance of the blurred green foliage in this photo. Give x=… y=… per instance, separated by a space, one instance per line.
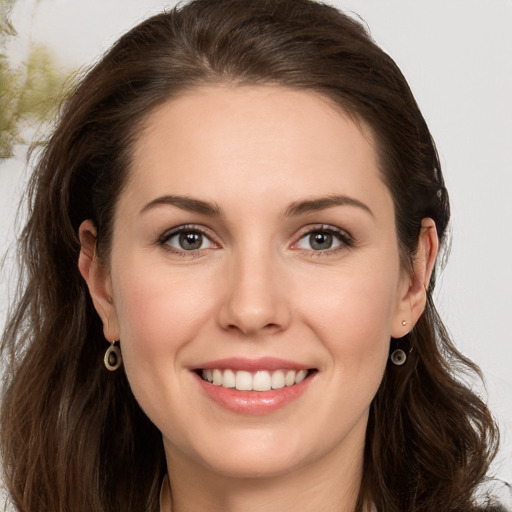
x=9 y=80
x=30 y=92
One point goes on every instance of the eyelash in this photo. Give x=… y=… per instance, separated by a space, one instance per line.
x=343 y=237
x=345 y=240
x=164 y=239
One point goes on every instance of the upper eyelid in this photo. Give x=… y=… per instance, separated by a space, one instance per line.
x=164 y=240
x=324 y=227
x=169 y=233
x=344 y=237
x=214 y=238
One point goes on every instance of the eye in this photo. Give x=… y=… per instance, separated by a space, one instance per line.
x=324 y=239
x=187 y=239
x=318 y=241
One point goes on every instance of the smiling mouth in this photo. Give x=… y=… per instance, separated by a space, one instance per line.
x=261 y=380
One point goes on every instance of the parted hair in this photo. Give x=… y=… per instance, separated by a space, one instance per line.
x=72 y=435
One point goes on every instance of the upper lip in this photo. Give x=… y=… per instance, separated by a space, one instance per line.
x=252 y=365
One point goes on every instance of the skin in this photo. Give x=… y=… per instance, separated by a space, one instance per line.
x=257 y=287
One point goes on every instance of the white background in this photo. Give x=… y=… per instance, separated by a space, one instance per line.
x=457 y=56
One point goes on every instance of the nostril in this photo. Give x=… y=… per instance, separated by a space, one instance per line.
x=248 y=329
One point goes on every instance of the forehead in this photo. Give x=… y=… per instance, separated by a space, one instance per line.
x=259 y=141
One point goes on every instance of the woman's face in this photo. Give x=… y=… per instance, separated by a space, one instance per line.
x=254 y=243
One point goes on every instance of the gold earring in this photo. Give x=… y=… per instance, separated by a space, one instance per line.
x=113 y=358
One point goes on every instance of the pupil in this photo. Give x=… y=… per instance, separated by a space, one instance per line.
x=321 y=241
x=191 y=241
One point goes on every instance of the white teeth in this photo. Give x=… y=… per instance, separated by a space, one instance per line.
x=243 y=381
x=261 y=380
x=217 y=377
x=278 y=379
x=289 y=380
x=229 y=380
x=300 y=376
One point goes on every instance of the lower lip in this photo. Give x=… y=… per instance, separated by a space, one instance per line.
x=254 y=402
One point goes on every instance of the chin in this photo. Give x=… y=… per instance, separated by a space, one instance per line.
x=245 y=454
x=255 y=466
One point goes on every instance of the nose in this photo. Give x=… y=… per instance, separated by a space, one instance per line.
x=255 y=299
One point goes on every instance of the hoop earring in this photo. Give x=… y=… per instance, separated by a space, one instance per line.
x=398 y=357
x=113 y=358
x=399 y=350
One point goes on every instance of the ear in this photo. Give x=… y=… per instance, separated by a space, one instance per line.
x=98 y=280
x=413 y=292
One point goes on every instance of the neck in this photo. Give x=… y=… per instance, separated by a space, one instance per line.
x=310 y=488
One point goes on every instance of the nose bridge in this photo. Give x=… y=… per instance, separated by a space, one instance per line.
x=255 y=300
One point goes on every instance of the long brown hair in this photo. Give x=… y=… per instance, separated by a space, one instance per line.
x=72 y=435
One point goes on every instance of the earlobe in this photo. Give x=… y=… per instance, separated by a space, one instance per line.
x=414 y=296
x=97 y=279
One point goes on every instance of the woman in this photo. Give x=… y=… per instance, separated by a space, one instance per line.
x=239 y=215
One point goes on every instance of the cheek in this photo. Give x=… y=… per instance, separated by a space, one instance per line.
x=158 y=313
x=352 y=311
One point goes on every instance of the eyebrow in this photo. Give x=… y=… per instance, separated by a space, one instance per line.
x=185 y=203
x=296 y=208
x=322 y=203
